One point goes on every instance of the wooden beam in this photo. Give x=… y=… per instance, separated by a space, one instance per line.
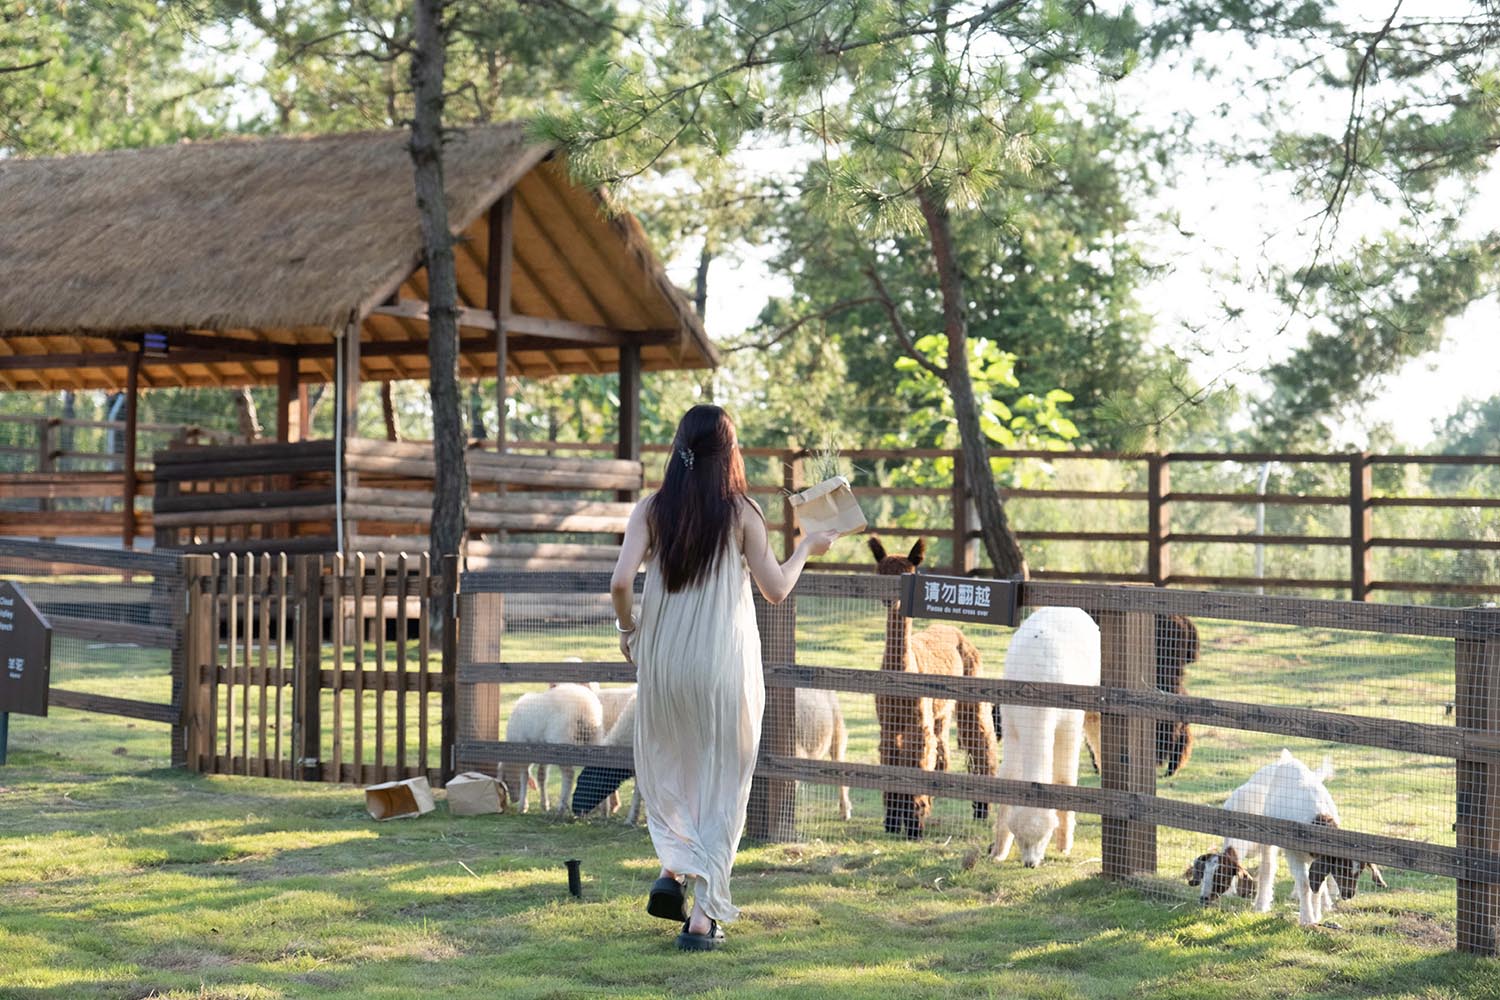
x=563 y=330
x=500 y=267
x=229 y=346
x=349 y=378
x=629 y=425
x=286 y=394
x=132 y=410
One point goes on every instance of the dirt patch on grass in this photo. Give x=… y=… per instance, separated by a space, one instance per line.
x=1424 y=929
x=179 y=959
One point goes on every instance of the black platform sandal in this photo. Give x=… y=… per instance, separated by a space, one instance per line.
x=667 y=900
x=714 y=939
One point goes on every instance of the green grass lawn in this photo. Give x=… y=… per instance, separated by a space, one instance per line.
x=124 y=879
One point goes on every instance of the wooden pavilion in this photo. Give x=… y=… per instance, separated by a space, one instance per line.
x=294 y=261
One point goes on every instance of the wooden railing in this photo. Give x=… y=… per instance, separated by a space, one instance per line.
x=51 y=488
x=1127 y=699
x=281 y=498
x=1162 y=520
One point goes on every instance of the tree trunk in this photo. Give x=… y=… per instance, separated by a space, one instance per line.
x=388 y=411
x=249 y=419
x=994 y=527
x=450 y=494
x=700 y=281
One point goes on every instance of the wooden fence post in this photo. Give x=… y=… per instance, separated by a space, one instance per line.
x=486 y=709
x=307 y=670
x=44 y=460
x=791 y=482
x=194 y=661
x=1158 y=519
x=1128 y=744
x=772 y=811
x=1360 y=487
x=1477 y=707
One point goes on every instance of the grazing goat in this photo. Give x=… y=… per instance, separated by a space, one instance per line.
x=1287 y=789
x=566 y=713
x=1060 y=646
x=914 y=731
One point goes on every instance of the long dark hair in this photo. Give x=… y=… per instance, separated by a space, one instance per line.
x=694 y=512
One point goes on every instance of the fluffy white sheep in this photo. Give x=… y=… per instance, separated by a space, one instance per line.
x=1058 y=645
x=567 y=713
x=821 y=733
x=613 y=700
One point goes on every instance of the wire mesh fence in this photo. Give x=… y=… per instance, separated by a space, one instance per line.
x=1337 y=732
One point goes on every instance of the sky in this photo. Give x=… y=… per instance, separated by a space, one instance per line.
x=1229 y=217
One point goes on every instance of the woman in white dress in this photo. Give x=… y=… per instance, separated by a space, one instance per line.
x=697 y=656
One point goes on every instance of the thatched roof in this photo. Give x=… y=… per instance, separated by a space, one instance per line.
x=283 y=240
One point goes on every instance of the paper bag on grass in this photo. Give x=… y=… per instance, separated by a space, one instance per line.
x=473 y=793
x=828 y=506
x=399 y=799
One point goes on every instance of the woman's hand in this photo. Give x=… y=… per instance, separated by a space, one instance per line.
x=625 y=640
x=820 y=542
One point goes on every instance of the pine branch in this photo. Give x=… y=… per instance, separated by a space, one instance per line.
x=902 y=333
x=791 y=328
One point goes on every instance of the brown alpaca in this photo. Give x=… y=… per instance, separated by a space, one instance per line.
x=914 y=731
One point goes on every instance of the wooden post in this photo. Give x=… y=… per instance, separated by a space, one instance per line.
x=1128 y=744
x=348 y=376
x=791 y=482
x=448 y=594
x=307 y=670
x=1158 y=519
x=772 y=811
x=1477 y=707
x=303 y=415
x=497 y=286
x=286 y=399
x=127 y=466
x=965 y=556
x=195 y=659
x=1360 y=487
x=44 y=459
x=629 y=446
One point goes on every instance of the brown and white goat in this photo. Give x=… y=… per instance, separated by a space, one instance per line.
x=1286 y=789
x=914 y=731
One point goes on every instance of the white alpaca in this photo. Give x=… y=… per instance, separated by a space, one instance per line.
x=567 y=713
x=820 y=732
x=1287 y=789
x=1057 y=645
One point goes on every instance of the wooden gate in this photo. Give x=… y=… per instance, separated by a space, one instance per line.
x=315 y=668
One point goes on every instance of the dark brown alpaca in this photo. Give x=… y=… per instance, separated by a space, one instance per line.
x=914 y=731
x=1176 y=647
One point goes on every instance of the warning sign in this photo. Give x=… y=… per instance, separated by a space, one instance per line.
x=25 y=653
x=960 y=598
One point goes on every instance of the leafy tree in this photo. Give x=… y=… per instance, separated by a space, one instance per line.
x=81 y=77
x=918 y=113
x=1422 y=123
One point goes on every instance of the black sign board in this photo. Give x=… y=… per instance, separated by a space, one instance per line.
x=960 y=599
x=25 y=653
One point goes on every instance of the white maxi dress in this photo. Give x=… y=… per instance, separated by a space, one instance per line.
x=698 y=710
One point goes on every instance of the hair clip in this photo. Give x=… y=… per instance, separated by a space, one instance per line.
x=687 y=457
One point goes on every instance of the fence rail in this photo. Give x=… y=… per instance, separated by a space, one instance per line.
x=1130 y=707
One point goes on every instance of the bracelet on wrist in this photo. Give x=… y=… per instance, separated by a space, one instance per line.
x=622 y=630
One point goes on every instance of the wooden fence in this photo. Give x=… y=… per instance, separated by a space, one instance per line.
x=54 y=485
x=1130 y=706
x=98 y=596
x=1159 y=526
